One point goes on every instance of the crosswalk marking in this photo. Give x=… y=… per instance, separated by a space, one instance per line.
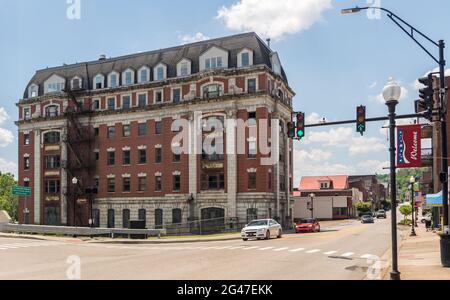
x=250 y=248
x=330 y=252
x=280 y=249
x=297 y=250
x=267 y=248
x=313 y=251
x=348 y=254
x=235 y=248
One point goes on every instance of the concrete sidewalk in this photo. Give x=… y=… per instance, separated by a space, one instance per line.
x=420 y=258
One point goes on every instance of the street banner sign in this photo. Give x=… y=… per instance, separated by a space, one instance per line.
x=21 y=191
x=409 y=146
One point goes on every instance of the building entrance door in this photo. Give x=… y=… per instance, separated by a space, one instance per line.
x=51 y=216
x=213 y=220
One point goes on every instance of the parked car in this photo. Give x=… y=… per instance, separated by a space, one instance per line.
x=307 y=225
x=367 y=219
x=262 y=229
x=381 y=214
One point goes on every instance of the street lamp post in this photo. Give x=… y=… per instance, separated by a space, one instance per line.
x=440 y=60
x=74 y=182
x=391 y=94
x=412 y=181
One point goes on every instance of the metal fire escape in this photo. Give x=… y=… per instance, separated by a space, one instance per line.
x=81 y=163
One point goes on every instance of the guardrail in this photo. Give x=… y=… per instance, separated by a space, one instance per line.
x=80 y=231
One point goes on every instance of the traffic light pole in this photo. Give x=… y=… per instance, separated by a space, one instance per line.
x=380 y=119
x=443 y=119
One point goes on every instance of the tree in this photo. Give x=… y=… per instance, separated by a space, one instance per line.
x=363 y=206
x=406 y=210
x=8 y=202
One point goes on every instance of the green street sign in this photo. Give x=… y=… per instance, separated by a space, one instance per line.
x=21 y=191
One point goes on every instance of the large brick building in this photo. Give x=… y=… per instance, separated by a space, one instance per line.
x=96 y=139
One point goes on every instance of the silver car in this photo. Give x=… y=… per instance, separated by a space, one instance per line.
x=262 y=229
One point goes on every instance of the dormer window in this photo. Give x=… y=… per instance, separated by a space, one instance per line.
x=76 y=83
x=144 y=75
x=113 y=80
x=99 y=82
x=33 y=91
x=55 y=87
x=245 y=59
x=325 y=185
x=213 y=63
x=128 y=77
x=160 y=72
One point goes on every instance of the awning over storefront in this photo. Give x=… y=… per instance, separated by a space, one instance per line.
x=434 y=200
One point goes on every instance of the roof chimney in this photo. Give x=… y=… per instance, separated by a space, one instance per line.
x=102 y=57
x=268 y=42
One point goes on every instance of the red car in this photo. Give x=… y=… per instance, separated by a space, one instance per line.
x=307 y=225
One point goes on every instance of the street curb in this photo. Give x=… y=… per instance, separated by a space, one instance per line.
x=37 y=237
x=178 y=241
x=387 y=256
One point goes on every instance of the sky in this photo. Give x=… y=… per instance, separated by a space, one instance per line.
x=334 y=62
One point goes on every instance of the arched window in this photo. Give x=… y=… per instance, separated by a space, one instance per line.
x=99 y=82
x=53 y=137
x=212 y=91
x=51 y=111
x=33 y=91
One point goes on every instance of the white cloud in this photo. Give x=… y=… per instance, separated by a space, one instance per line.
x=334 y=137
x=345 y=137
x=314 y=118
x=363 y=145
x=8 y=167
x=373 y=85
x=373 y=167
x=3 y=115
x=6 y=137
x=316 y=162
x=273 y=18
x=198 y=37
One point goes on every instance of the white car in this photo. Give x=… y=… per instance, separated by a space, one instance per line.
x=262 y=229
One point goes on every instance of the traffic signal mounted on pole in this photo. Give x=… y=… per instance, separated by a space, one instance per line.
x=300 y=125
x=361 y=119
x=425 y=103
x=291 y=130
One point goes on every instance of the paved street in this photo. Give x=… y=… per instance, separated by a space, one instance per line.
x=340 y=252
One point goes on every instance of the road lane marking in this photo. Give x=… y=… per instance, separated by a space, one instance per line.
x=234 y=248
x=313 y=251
x=280 y=249
x=297 y=250
x=330 y=252
x=267 y=248
x=348 y=254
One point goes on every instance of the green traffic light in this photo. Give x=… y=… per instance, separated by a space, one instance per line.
x=300 y=133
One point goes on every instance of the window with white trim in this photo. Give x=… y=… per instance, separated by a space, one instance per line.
x=99 y=82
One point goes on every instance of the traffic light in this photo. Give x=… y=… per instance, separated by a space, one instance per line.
x=291 y=130
x=425 y=103
x=300 y=125
x=361 y=119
